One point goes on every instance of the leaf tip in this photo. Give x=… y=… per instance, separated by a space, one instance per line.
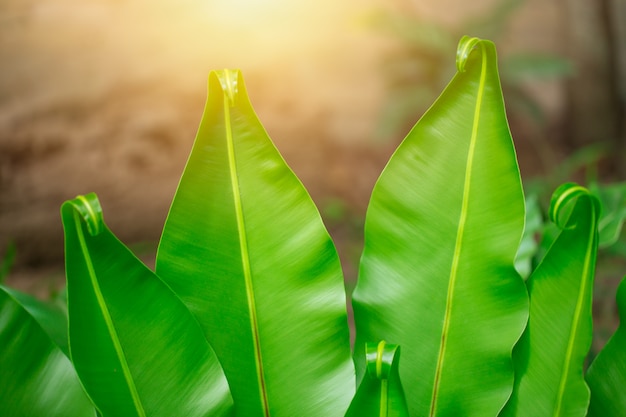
x=563 y=196
x=467 y=44
x=229 y=80
x=89 y=209
x=380 y=357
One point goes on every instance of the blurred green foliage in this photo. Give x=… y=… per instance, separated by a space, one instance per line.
x=422 y=66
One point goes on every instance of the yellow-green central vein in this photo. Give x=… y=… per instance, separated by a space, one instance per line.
x=459 y=235
x=107 y=315
x=384 y=383
x=245 y=258
x=577 y=315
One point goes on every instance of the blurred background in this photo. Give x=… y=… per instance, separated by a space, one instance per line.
x=106 y=96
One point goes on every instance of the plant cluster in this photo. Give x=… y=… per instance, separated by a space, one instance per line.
x=245 y=312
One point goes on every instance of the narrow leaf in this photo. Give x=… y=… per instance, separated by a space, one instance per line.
x=246 y=250
x=137 y=349
x=607 y=374
x=550 y=355
x=443 y=226
x=36 y=376
x=380 y=393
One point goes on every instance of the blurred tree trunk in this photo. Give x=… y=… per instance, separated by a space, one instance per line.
x=596 y=42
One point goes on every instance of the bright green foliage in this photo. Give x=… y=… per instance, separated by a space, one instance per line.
x=36 y=376
x=549 y=357
x=607 y=374
x=380 y=392
x=136 y=348
x=246 y=316
x=442 y=230
x=246 y=250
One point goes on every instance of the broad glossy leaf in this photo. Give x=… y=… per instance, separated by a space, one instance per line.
x=135 y=346
x=550 y=355
x=380 y=393
x=442 y=230
x=607 y=374
x=36 y=376
x=246 y=250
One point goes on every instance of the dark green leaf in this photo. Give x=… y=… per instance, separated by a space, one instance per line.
x=36 y=376
x=136 y=348
x=443 y=227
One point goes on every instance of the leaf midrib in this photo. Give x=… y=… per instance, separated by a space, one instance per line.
x=577 y=315
x=243 y=246
x=460 y=234
x=105 y=312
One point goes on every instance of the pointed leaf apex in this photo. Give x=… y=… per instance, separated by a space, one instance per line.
x=380 y=358
x=89 y=209
x=229 y=81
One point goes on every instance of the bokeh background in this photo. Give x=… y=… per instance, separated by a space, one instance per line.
x=106 y=96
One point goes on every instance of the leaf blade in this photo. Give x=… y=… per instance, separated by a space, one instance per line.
x=550 y=355
x=255 y=265
x=420 y=271
x=380 y=393
x=136 y=348
x=37 y=377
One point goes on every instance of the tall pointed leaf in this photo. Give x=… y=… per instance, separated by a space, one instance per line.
x=550 y=355
x=607 y=374
x=380 y=393
x=36 y=376
x=246 y=250
x=136 y=348
x=443 y=226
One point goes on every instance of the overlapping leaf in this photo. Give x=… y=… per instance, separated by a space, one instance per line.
x=607 y=374
x=245 y=248
x=443 y=226
x=380 y=392
x=36 y=376
x=550 y=355
x=135 y=346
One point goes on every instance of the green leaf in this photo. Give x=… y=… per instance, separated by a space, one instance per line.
x=246 y=250
x=36 y=377
x=550 y=355
x=136 y=348
x=380 y=393
x=443 y=226
x=607 y=374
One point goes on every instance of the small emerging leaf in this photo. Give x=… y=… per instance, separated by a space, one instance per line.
x=380 y=392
